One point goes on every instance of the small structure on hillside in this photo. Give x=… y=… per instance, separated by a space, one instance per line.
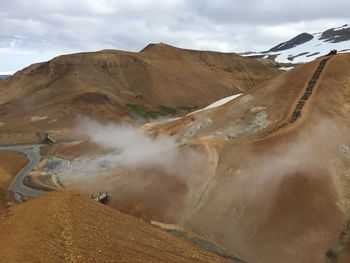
x=101 y=197
x=332 y=52
x=48 y=139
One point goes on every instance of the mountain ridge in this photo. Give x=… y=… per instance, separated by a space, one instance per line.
x=124 y=86
x=306 y=47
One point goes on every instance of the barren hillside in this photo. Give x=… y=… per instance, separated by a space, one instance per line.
x=274 y=183
x=115 y=85
x=65 y=227
x=280 y=169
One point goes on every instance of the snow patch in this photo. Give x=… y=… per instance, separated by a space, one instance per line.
x=342 y=27
x=7 y=72
x=286 y=68
x=222 y=101
x=38 y=118
x=218 y=103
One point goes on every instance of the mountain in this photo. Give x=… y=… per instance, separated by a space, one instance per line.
x=307 y=47
x=263 y=172
x=274 y=184
x=115 y=85
x=4 y=76
x=66 y=227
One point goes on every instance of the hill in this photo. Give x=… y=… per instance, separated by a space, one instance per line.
x=274 y=184
x=264 y=174
x=74 y=228
x=123 y=86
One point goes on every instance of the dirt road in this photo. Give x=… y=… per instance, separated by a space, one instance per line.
x=33 y=154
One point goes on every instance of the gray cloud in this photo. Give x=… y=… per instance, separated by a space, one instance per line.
x=36 y=30
x=270 y=12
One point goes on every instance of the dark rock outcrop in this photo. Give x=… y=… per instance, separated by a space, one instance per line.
x=298 y=40
x=336 y=36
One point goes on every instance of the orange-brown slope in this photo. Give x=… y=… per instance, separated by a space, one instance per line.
x=10 y=165
x=65 y=227
x=118 y=85
x=277 y=197
x=294 y=182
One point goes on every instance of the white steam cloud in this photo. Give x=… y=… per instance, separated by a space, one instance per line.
x=154 y=173
x=133 y=147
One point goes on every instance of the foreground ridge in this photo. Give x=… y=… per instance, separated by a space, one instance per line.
x=74 y=228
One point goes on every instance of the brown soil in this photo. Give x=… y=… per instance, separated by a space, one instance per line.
x=120 y=86
x=10 y=165
x=66 y=227
x=277 y=198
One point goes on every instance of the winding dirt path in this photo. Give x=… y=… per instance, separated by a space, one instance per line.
x=32 y=152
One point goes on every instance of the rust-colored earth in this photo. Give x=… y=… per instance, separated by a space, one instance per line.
x=67 y=227
x=270 y=189
x=267 y=194
x=121 y=86
x=10 y=165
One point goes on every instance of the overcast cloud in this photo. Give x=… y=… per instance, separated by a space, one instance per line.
x=37 y=30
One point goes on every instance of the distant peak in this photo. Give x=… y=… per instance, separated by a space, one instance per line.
x=156 y=45
x=298 y=40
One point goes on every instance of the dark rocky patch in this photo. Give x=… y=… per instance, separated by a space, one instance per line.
x=298 y=40
x=336 y=36
x=313 y=54
x=291 y=58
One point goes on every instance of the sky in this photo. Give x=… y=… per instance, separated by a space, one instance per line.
x=38 y=30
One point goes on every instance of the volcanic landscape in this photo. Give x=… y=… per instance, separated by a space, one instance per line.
x=201 y=156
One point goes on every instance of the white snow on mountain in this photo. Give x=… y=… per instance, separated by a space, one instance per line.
x=342 y=27
x=7 y=72
x=307 y=51
x=218 y=103
x=310 y=50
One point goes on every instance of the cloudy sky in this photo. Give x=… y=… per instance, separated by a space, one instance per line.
x=37 y=30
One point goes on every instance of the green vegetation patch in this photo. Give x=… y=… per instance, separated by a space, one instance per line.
x=147 y=114
x=164 y=110
x=189 y=109
x=139 y=111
